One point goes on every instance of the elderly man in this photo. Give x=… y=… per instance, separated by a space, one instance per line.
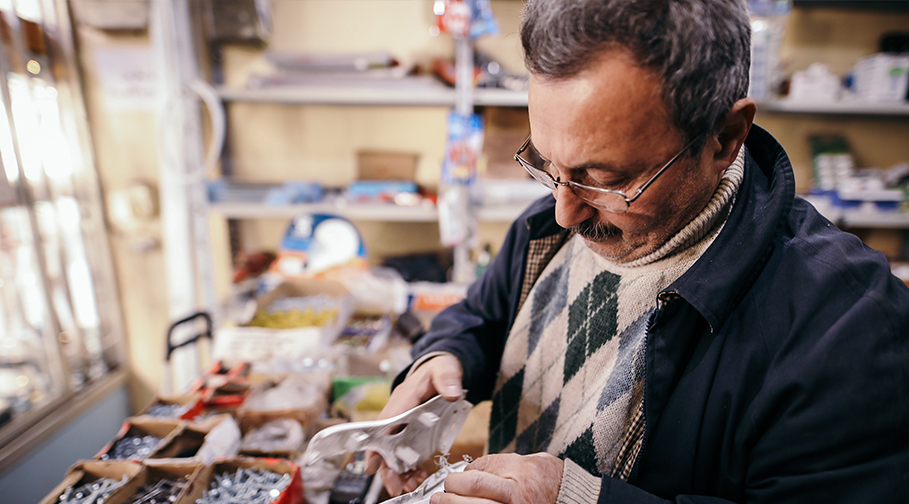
x=673 y=323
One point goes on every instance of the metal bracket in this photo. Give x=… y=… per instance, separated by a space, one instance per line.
x=435 y=483
x=403 y=441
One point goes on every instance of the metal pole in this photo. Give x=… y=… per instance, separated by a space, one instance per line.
x=181 y=161
x=463 y=270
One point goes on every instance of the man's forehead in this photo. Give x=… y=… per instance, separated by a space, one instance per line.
x=614 y=103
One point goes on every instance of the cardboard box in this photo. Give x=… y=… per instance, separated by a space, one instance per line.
x=293 y=494
x=165 y=429
x=154 y=471
x=386 y=165
x=256 y=344
x=506 y=130
x=203 y=441
x=88 y=471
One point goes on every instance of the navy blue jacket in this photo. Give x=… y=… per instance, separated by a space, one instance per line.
x=777 y=365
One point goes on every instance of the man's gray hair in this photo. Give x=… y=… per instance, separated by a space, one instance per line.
x=700 y=48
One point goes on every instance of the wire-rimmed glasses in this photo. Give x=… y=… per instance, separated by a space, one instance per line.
x=606 y=199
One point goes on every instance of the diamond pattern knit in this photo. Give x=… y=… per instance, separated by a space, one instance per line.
x=571 y=379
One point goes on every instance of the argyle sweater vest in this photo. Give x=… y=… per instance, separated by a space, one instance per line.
x=571 y=379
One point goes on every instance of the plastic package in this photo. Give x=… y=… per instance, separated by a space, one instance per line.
x=459 y=172
x=278 y=436
x=465 y=18
x=294 y=392
x=380 y=290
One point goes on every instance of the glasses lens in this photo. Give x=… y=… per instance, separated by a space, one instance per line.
x=608 y=201
x=540 y=176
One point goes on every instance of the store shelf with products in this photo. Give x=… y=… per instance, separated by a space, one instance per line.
x=347 y=116
x=824 y=45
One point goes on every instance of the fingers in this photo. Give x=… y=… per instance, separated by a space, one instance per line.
x=447 y=377
x=393 y=482
x=440 y=375
x=450 y=498
x=479 y=484
x=373 y=462
x=396 y=484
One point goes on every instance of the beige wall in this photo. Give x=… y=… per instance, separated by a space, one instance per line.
x=273 y=142
x=126 y=150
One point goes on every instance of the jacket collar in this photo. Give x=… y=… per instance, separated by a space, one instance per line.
x=715 y=284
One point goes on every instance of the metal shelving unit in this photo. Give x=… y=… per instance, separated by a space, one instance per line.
x=859 y=218
x=357 y=211
x=411 y=91
x=840 y=108
x=185 y=209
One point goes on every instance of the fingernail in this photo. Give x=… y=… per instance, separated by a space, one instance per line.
x=453 y=390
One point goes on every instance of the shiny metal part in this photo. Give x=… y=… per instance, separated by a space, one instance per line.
x=403 y=441
x=435 y=483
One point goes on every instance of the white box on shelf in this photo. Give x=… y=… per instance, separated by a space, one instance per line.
x=256 y=344
x=882 y=78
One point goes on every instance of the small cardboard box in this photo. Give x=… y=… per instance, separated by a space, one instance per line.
x=257 y=344
x=506 y=130
x=293 y=494
x=165 y=429
x=203 y=441
x=386 y=165
x=154 y=471
x=88 y=471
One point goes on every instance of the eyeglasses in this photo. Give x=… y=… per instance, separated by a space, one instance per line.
x=606 y=199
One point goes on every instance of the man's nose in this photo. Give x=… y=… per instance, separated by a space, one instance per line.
x=570 y=209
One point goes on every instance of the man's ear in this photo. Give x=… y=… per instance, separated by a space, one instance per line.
x=736 y=125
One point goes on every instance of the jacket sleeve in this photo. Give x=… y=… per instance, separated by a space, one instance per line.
x=475 y=329
x=615 y=491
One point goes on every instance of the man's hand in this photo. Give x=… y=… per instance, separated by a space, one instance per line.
x=507 y=478
x=440 y=375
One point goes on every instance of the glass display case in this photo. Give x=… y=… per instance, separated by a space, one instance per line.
x=56 y=341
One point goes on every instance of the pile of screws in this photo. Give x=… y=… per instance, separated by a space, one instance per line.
x=162 y=410
x=249 y=486
x=164 y=491
x=132 y=447
x=95 y=492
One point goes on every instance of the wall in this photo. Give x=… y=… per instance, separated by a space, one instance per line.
x=279 y=142
x=126 y=150
x=45 y=466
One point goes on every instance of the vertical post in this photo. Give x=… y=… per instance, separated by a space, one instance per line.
x=181 y=163
x=463 y=271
